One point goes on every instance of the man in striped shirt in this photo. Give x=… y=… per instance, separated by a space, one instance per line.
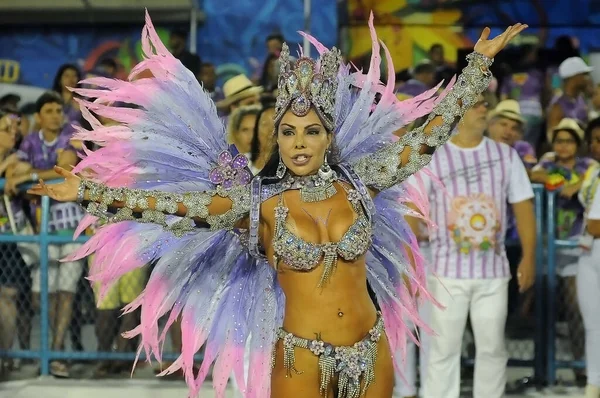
x=470 y=271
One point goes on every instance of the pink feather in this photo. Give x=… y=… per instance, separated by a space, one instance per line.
x=87 y=221
x=321 y=49
x=391 y=74
x=259 y=382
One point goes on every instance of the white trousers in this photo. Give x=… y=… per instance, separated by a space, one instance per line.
x=486 y=301
x=588 y=295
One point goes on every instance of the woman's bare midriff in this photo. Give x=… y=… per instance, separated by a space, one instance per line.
x=313 y=312
x=339 y=313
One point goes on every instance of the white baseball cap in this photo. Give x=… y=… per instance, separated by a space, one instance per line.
x=572 y=67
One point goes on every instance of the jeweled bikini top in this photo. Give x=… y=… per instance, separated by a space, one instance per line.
x=306 y=256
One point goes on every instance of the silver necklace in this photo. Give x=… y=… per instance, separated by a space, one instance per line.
x=313 y=188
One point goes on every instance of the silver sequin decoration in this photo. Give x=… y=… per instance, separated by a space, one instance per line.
x=304 y=256
x=136 y=207
x=306 y=83
x=383 y=169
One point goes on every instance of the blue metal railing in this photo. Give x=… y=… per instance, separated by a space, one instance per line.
x=544 y=362
x=45 y=354
x=555 y=244
x=540 y=320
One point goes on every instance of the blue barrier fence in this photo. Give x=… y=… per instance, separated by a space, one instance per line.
x=555 y=244
x=544 y=362
x=45 y=354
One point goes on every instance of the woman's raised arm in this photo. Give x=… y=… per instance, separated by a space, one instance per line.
x=396 y=162
x=220 y=209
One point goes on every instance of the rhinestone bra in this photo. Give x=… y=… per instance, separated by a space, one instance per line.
x=305 y=256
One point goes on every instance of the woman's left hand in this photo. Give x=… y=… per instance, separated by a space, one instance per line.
x=491 y=47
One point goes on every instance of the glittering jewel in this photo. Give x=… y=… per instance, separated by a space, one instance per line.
x=307 y=83
x=230 y=172
x=317 y=193
x=312 y=188
x=281 y=169
x=352 y=368
x=325 y=172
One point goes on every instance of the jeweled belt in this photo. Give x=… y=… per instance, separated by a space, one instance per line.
x=352 y=364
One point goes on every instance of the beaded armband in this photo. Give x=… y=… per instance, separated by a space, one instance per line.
x=136 y=206
x=382 y=169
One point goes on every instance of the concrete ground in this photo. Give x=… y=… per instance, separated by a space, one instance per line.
x=144 y=385
x=26 y=382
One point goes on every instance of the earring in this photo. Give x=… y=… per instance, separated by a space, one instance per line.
x=281 y=169
x=325 y=171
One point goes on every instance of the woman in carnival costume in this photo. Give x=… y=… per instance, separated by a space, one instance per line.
x=277 y=264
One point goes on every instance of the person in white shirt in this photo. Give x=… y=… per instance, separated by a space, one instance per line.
x=588 y=281
x=470 y=271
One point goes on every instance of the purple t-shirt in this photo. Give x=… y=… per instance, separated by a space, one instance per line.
x=72 y=114
x=572 y=108
x=526 y=88
x=413 y=88
x=526 y=153
x=43 y=155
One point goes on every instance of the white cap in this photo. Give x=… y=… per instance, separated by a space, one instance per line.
x=572 y=67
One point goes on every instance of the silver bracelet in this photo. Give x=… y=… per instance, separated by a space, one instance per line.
x=81 y=191
x=480 y=59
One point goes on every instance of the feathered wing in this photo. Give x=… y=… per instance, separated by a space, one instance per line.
x=367 y=118
x=363 y=127
x=168 y=137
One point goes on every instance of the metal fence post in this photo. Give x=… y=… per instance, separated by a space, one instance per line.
x=551 y=289
x=44 y=295
x=540 y=324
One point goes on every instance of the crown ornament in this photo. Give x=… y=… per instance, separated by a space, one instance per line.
x=307 y=83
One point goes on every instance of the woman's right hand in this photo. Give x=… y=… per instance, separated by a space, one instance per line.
x=65 y=191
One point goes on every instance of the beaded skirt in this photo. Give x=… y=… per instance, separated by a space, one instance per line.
x=353 y=365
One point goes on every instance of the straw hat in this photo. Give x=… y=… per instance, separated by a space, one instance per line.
x=570 y=125
x=236 y=89
x=509 y=109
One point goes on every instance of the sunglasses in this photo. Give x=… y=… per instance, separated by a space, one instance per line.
x=485 y=104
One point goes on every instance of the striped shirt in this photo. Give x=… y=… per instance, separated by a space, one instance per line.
x=470 y=209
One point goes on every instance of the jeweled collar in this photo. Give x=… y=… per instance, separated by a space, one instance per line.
x=290 y=182
x=299 y=182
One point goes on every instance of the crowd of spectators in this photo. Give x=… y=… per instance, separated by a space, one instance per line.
x=548 y=115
